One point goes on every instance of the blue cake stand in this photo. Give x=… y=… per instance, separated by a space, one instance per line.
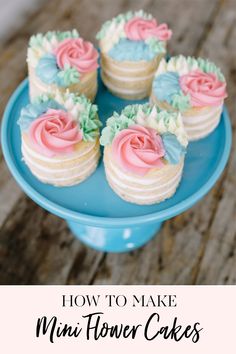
x=94 y=213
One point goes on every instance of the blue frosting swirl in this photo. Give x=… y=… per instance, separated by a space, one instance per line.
x=47 y=69
x=126 y=49
x=173 y=149
x=166 y=85
x=34 y=110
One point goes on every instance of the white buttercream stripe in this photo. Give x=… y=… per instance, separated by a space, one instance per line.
x=58 y=170
x=127 y=78
x=128 y=70
x=200 y=133
x=54 y=160
x=152 y=189
x=61 y=179
x=152 y=197
x=211 y=115
x=122 y=90
x=202 y=126
x=132 y=179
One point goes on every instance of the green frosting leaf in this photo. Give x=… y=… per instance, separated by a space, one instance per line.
x=115 y=124
x=68 y=76
x=209 y=67
x=88 y=118
x=155 y=45
x=66 y=34
x=44 y=97
x=37 y=40
x=89 y=122
x=180 y=101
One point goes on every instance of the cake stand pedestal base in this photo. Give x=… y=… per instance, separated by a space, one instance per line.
x=114 y=239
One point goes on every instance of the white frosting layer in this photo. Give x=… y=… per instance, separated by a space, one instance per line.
x=154 y=187
x=146 y=199
x=71 y=170
x=83 y=165
x=123 y=90
x=64 y=180
x=144 y=190
x=125 y=78
x=199 y=126
x=54 y=160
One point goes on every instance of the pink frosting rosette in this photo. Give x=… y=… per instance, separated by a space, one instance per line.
x=139 y=29
x=138 y=149
x=55 y=132
x=204 y=88
x=77 y=53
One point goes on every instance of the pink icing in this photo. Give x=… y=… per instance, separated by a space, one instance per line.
x=77 y=53
x=138 y=149
x=55 y=132
x=204 y=88
x=139 y=29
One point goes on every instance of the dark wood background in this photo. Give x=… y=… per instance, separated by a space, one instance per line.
x=197 y=247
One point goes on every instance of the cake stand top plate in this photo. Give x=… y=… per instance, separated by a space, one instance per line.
x=93 y=202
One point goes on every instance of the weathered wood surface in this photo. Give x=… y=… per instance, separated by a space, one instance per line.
x=197 y=247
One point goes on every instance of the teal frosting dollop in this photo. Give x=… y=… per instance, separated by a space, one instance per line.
x=47 y=69
x=174 y=151
x=129 y=50
x=49 y=72
x=166 y=85
x=34 y=110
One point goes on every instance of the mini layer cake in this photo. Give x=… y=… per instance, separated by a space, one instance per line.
x=60 y=61
x=132 y=46
x=196 y=88
x=144 y=153
x=60 y=138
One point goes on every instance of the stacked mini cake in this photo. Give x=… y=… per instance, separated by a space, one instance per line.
x=60 y=138
x=144 y=153
x=132 y=46
x=196 y=88
x=62 y=60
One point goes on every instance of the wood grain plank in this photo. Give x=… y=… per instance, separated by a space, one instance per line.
x=37 y=248
x=218 y=264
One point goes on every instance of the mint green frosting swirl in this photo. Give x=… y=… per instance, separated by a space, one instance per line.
x=68 y=76
x=180 y=101
x=89 y=122
x=156 y=46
